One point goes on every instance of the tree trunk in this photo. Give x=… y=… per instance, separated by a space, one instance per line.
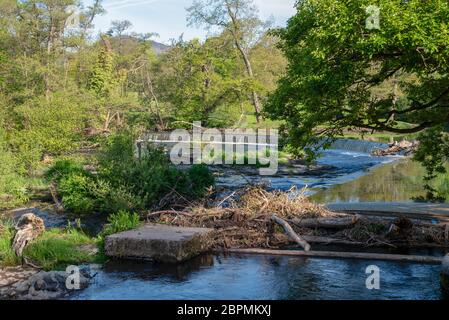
x=326 y=223
x=249 y=69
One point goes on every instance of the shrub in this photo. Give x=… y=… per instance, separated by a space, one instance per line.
x=153 y=176
x=201 y=179
x=125 y=183
x=64 y=168
x=52 y=127
x=13 y=188
x=76 y=193
x=110 y=199
x=120 y=222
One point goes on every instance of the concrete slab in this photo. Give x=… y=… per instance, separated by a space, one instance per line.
x=159 y=243
x=426 y=211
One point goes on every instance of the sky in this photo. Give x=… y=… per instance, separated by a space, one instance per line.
x=168 y=17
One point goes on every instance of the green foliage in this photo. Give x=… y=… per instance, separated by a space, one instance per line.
x=57 y=248
x=342 y=74
x=125 y=183
x=198 y=79
x=48 y=127
x=12 y=185
x=7 y=254
x=120 y=222
x=76 y=193
x=153 y=176
x=201 y=180
x=64 y=168
x=101 y=80
x=433 y=154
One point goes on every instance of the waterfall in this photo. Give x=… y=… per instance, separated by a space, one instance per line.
x=358 y=145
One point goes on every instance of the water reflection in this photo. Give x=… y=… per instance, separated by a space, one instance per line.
x=400 y=181
x=262 y=277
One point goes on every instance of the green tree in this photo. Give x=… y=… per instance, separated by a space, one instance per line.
x=336 y=64
x=238 y=18
x=199 y=79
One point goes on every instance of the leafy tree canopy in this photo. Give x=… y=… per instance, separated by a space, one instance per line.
x=337 y=67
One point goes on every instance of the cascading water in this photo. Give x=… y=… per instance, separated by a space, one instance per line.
x=358 y=145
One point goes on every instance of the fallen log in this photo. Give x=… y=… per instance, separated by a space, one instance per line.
x=341 y=255
x=326 y=223
x=29 y=227
x=291 y=233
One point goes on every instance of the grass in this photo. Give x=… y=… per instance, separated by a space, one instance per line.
x=7 y=256
x=55 y=249
x=120 y=222
x=58 y=248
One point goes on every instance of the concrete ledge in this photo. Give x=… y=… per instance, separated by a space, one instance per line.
x=159 y=243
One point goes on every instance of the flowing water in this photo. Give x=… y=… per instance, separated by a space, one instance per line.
x=355 y=176
x=239 y=277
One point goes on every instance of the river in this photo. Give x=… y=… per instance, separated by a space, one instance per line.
x=355 y=176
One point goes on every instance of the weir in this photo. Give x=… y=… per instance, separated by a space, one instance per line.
x=351 y=145
x=358 y=145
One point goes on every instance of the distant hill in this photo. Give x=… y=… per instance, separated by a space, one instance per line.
x=128 y=44
x=159 y=48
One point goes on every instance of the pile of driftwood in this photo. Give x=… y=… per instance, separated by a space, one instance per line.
x=256 y=218
x=405 y=148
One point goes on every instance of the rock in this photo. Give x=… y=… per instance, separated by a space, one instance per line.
x=403 y=148
x=444 y=277
x=159 y=243
x=41 y=285
x=404 y=144
x=29 y=227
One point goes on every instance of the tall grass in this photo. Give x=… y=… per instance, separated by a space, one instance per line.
x=7 y=255
x=58 y=248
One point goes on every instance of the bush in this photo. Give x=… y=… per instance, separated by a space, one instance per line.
x=64 y=168
x=120 y=222
x=76 y=193
x=13 y=188
x=201 y=179
x=153 y=176
x=125 y=183
x=49 y=127
x=110 y=199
